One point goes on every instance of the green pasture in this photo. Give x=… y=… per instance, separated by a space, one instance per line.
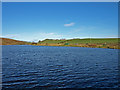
x=83 y=41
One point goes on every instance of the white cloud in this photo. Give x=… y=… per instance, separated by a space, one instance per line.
x=70 y=24
x=11 y=36
x=42 y=36
x=33 y=37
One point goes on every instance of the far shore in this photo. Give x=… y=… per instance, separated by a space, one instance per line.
x=111 y=43
x=87 y=46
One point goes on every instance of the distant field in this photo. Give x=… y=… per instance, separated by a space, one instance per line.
x=94 y=42
x=52 y=41
x=82 y=41
x=89 y=42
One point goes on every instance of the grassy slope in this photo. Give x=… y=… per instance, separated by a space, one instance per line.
x=50 y=41
x=81 y=41
x=94 y=42
x=6 y=41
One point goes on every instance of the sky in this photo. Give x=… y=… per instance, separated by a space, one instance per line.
x=33 y=21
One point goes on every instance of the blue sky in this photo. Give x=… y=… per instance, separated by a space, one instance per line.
x=33 y=21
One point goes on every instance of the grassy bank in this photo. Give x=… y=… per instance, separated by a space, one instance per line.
x=7 y=41
x=112 y=43
x=93 y=43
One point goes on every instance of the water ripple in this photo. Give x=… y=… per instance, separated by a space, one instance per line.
x=59 y=67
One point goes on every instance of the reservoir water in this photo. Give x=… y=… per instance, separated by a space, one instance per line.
x=49 y=67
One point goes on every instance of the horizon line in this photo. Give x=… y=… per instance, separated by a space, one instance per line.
x=63 y=38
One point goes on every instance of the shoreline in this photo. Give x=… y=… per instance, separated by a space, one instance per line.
x=72 y=46
x=78 y=46
x=110 y=43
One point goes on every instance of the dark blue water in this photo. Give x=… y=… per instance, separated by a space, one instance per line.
x=59 y=67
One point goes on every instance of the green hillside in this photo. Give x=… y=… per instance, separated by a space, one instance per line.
x=82 y=41
x=52 y=41
x=88 y=42
x=7 y=41
x=93 y=42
